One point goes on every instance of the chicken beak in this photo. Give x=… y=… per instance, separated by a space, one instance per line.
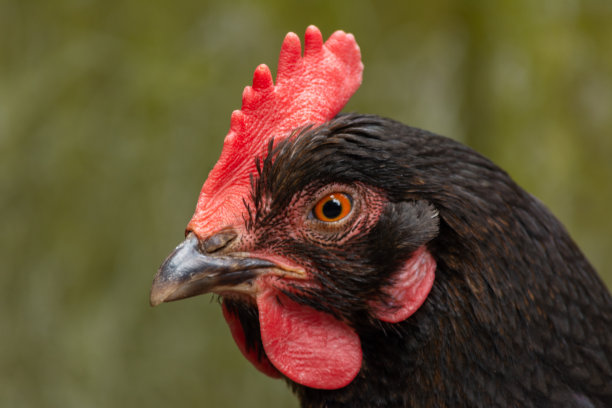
x=188 y=272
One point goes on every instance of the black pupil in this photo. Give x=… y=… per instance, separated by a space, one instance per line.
x=332 y=209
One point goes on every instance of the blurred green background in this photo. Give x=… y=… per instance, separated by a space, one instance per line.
x=113 y=112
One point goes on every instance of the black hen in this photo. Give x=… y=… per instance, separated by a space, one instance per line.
x=377 y=265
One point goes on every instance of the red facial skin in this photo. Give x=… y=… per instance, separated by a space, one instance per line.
x=307 y=346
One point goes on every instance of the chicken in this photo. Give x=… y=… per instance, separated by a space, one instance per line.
x=372 y=264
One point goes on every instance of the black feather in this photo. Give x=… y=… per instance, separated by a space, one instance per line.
x=516 y=317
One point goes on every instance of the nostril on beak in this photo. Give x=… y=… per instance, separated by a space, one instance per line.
x=218 y=241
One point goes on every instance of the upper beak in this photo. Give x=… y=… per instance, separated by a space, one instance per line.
x=189 y=272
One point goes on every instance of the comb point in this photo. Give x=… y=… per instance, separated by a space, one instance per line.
x=290 y=54
x=313 y=41
x=262 y=78
x=249 y=98
x=338 y=40
x=343 y=44
x=237 y=124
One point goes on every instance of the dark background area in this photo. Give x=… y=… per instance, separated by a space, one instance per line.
x=112 y=113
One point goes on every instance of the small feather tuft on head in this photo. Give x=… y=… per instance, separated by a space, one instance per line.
x=309 y=89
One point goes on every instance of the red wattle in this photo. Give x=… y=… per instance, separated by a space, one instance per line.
x=262 y=364
x=310 y=347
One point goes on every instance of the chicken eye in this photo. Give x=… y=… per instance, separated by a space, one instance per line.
x=333 y=207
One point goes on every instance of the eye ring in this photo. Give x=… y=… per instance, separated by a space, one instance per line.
x=333 y=207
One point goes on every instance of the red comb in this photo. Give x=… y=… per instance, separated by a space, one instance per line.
x=309 y=90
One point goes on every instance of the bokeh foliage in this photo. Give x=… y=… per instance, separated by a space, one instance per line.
x=113 y=112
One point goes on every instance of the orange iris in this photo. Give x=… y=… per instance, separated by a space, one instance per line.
x=333 y=207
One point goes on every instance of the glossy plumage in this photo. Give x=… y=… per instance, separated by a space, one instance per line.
x=441 y=283
x=516 y=317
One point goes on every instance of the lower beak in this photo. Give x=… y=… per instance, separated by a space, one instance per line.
x=189 y=272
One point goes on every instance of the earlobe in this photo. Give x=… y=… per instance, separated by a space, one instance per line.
x=409 y=289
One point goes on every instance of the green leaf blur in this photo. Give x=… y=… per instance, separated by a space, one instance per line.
x=112 y=113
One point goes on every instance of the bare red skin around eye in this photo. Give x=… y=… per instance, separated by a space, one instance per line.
x=311 y=347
